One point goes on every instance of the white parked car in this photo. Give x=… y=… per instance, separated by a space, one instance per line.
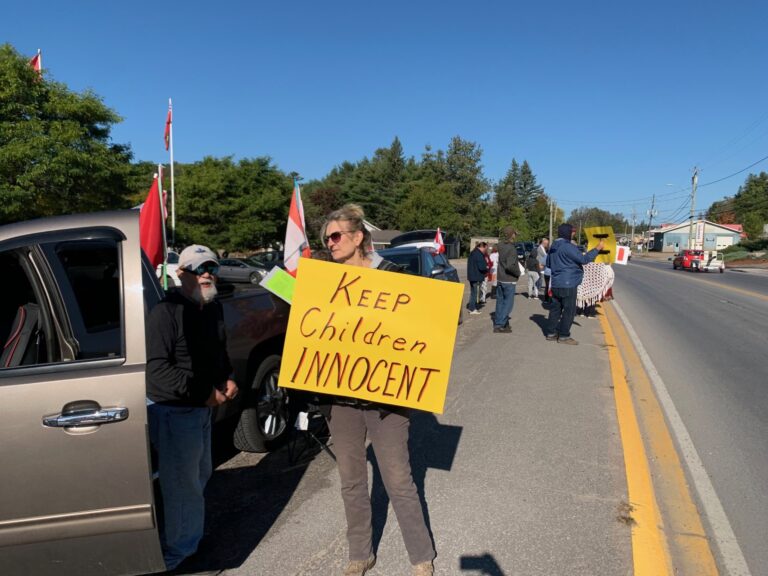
x=170 y=270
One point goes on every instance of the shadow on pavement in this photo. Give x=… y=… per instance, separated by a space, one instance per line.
x=242 y=504
x=484 y=565
x=432 y=445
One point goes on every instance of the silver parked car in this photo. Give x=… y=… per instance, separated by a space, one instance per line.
x=236 y=270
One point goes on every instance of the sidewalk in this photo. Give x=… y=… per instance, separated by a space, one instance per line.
x=523 y=474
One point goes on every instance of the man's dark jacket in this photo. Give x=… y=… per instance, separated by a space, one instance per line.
x=508 y=270
x=566 y=262
x=476 y=266
x=186 y=351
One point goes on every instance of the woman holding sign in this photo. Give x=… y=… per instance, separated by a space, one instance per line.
x=350 y=420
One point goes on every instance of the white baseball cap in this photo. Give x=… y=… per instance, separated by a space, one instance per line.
x=193 y=256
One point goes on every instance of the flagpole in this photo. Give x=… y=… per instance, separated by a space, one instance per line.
x=40 y=60
x=159 y=176
x=173 y=191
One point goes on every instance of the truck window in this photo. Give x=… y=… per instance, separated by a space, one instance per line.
x=91 y=293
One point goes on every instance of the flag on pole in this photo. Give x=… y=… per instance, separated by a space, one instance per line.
x=439 y=246
x=296 y=243
x=167 y=135
x=152 y=226
x=37 y=62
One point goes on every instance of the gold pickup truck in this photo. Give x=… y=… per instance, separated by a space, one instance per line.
x=76 y=482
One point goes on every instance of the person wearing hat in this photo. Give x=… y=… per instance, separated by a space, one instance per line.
x=188 y=372
x=566 y=262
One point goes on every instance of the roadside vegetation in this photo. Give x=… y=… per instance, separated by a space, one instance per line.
x=57 y=156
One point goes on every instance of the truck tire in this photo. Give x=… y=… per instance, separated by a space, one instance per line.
x=264 y=420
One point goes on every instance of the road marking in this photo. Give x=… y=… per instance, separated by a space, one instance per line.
x=684 y=529
x=730 y=551
x=650 y=555
x=750 y=293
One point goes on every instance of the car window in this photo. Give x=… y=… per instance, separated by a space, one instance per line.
x=90 y=284
x=440 y=260
x=19 y=313
x=429 y=261
x=173 y=258
x=409 y=262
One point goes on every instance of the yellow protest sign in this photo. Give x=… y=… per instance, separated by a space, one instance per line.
x=369 y=334
x=594 y=235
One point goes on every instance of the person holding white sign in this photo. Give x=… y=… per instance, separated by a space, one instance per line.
x=350 y=420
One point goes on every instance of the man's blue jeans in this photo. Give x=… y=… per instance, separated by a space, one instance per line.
x=472 y=304
x=505 y=294
x=561 y=312
x=182 y=438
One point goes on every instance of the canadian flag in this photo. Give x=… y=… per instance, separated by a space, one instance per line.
x=622 y=255
x=296 y=243
x=439 y=246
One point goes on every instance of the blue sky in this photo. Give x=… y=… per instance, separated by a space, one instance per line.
x=610 y=102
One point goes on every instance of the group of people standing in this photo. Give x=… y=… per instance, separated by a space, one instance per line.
x=555 y=273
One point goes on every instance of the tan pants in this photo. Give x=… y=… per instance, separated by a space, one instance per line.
x=389 y=437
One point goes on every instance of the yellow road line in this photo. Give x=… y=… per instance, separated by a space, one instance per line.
x=682 y=524
x=650 y=554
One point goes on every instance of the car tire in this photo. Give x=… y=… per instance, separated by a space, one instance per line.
x=254 y=278
x=265 y=419
x=722 y=270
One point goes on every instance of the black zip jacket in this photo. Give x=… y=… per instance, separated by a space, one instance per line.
x=186 y=351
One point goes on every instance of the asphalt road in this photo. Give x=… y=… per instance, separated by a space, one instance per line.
x=707 y=334
x=523 y=474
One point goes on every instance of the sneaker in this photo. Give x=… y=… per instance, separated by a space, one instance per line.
x=551 y=337
x=360 y=567
x=502 y=329
x=569 y=340
x=475 y=312
x=423 y=569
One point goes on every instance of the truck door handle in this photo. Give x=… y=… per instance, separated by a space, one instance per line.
x=85 y=413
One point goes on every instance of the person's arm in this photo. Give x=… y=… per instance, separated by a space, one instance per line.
x=165 y=378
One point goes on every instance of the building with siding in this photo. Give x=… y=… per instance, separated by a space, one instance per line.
x=706 y=236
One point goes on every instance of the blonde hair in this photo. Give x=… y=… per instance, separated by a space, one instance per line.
x=354 y=216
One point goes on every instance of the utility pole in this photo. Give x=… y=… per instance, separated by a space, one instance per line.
x=694 y=182
x=551 y=216
x=651 y=214
x=632 y=238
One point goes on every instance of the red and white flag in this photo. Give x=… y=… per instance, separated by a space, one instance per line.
x=167 y=135
x=296 y=243
x=37 y=62
x=622 y=255
x=152 y=226
x=439 y=246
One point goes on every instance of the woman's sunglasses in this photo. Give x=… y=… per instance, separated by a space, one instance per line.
x=211 y=268
x=335 y=236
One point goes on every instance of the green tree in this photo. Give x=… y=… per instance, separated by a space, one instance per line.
x=232 y=206
x=528 y=190
x=506 y=191
x=56 y=156
x=429 y=204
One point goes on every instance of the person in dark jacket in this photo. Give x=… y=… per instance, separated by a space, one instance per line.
x=351 y=420
x=507 y=276
x=566 y=262
x=188 y=372
x=476 y=272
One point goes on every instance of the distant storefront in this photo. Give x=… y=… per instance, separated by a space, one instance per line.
x=706 y=235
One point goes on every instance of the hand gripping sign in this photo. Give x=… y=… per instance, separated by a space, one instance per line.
x=596 y=233
x=370 y=334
